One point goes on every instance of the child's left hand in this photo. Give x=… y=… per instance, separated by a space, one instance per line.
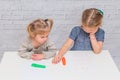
x=37 y=56
x=57 y=59
x=92 y=36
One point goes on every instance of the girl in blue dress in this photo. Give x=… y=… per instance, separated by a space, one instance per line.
x=88 y=36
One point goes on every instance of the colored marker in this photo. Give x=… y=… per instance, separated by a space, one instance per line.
x=38 y=65
x=63 y=61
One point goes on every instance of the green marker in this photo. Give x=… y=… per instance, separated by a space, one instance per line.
x=38 y=65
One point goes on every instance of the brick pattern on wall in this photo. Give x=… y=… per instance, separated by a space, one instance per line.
x=15 y=15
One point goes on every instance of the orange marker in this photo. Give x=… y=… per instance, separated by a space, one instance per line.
x=63 y=61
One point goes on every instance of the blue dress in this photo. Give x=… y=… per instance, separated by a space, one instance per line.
x=82 y=40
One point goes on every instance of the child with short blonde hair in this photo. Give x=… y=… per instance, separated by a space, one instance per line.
x=89 y=36
x=37 y=46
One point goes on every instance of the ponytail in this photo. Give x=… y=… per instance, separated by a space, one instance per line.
x=30 y=29
x=49 y=22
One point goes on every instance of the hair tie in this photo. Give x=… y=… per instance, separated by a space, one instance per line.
x=46 y=20
x=100 y=11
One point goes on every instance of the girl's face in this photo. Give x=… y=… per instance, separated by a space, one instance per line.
x=41 y=39
x=90 y=30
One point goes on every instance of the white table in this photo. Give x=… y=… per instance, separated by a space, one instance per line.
x=80 y=65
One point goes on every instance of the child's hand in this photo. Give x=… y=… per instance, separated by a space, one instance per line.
x=92 y=36
x=56 y=59
x=37 y=56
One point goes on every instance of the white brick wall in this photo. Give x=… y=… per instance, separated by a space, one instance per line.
x=16 y=14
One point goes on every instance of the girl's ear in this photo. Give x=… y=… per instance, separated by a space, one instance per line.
x=32 y=35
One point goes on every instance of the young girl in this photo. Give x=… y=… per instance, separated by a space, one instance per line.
x=89 y=36
x=37 y=46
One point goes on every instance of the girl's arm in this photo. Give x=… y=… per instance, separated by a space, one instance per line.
x=96 y=45
x=25 y=51
x=48 y=50
x=62 y=51
x=65 y=47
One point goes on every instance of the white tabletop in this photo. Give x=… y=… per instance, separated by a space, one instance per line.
x=83 y=65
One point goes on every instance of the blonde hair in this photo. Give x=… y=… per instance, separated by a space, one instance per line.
x=92 y=17
x=39 y=26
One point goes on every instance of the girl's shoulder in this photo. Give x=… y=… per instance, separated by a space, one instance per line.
x=100 y=30
x=76 y=29
x=27 y=41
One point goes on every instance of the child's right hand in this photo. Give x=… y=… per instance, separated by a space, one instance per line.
x=37 y=56
x=57 y=59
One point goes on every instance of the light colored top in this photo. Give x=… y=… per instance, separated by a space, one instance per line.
x=26 y=49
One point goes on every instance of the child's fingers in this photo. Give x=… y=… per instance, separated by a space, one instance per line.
x=55 y=60
x=33 y=57
x=34 y=54
x=36 y=57
x=58 y=59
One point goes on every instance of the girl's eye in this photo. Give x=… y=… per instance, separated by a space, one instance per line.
x=42 y=37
